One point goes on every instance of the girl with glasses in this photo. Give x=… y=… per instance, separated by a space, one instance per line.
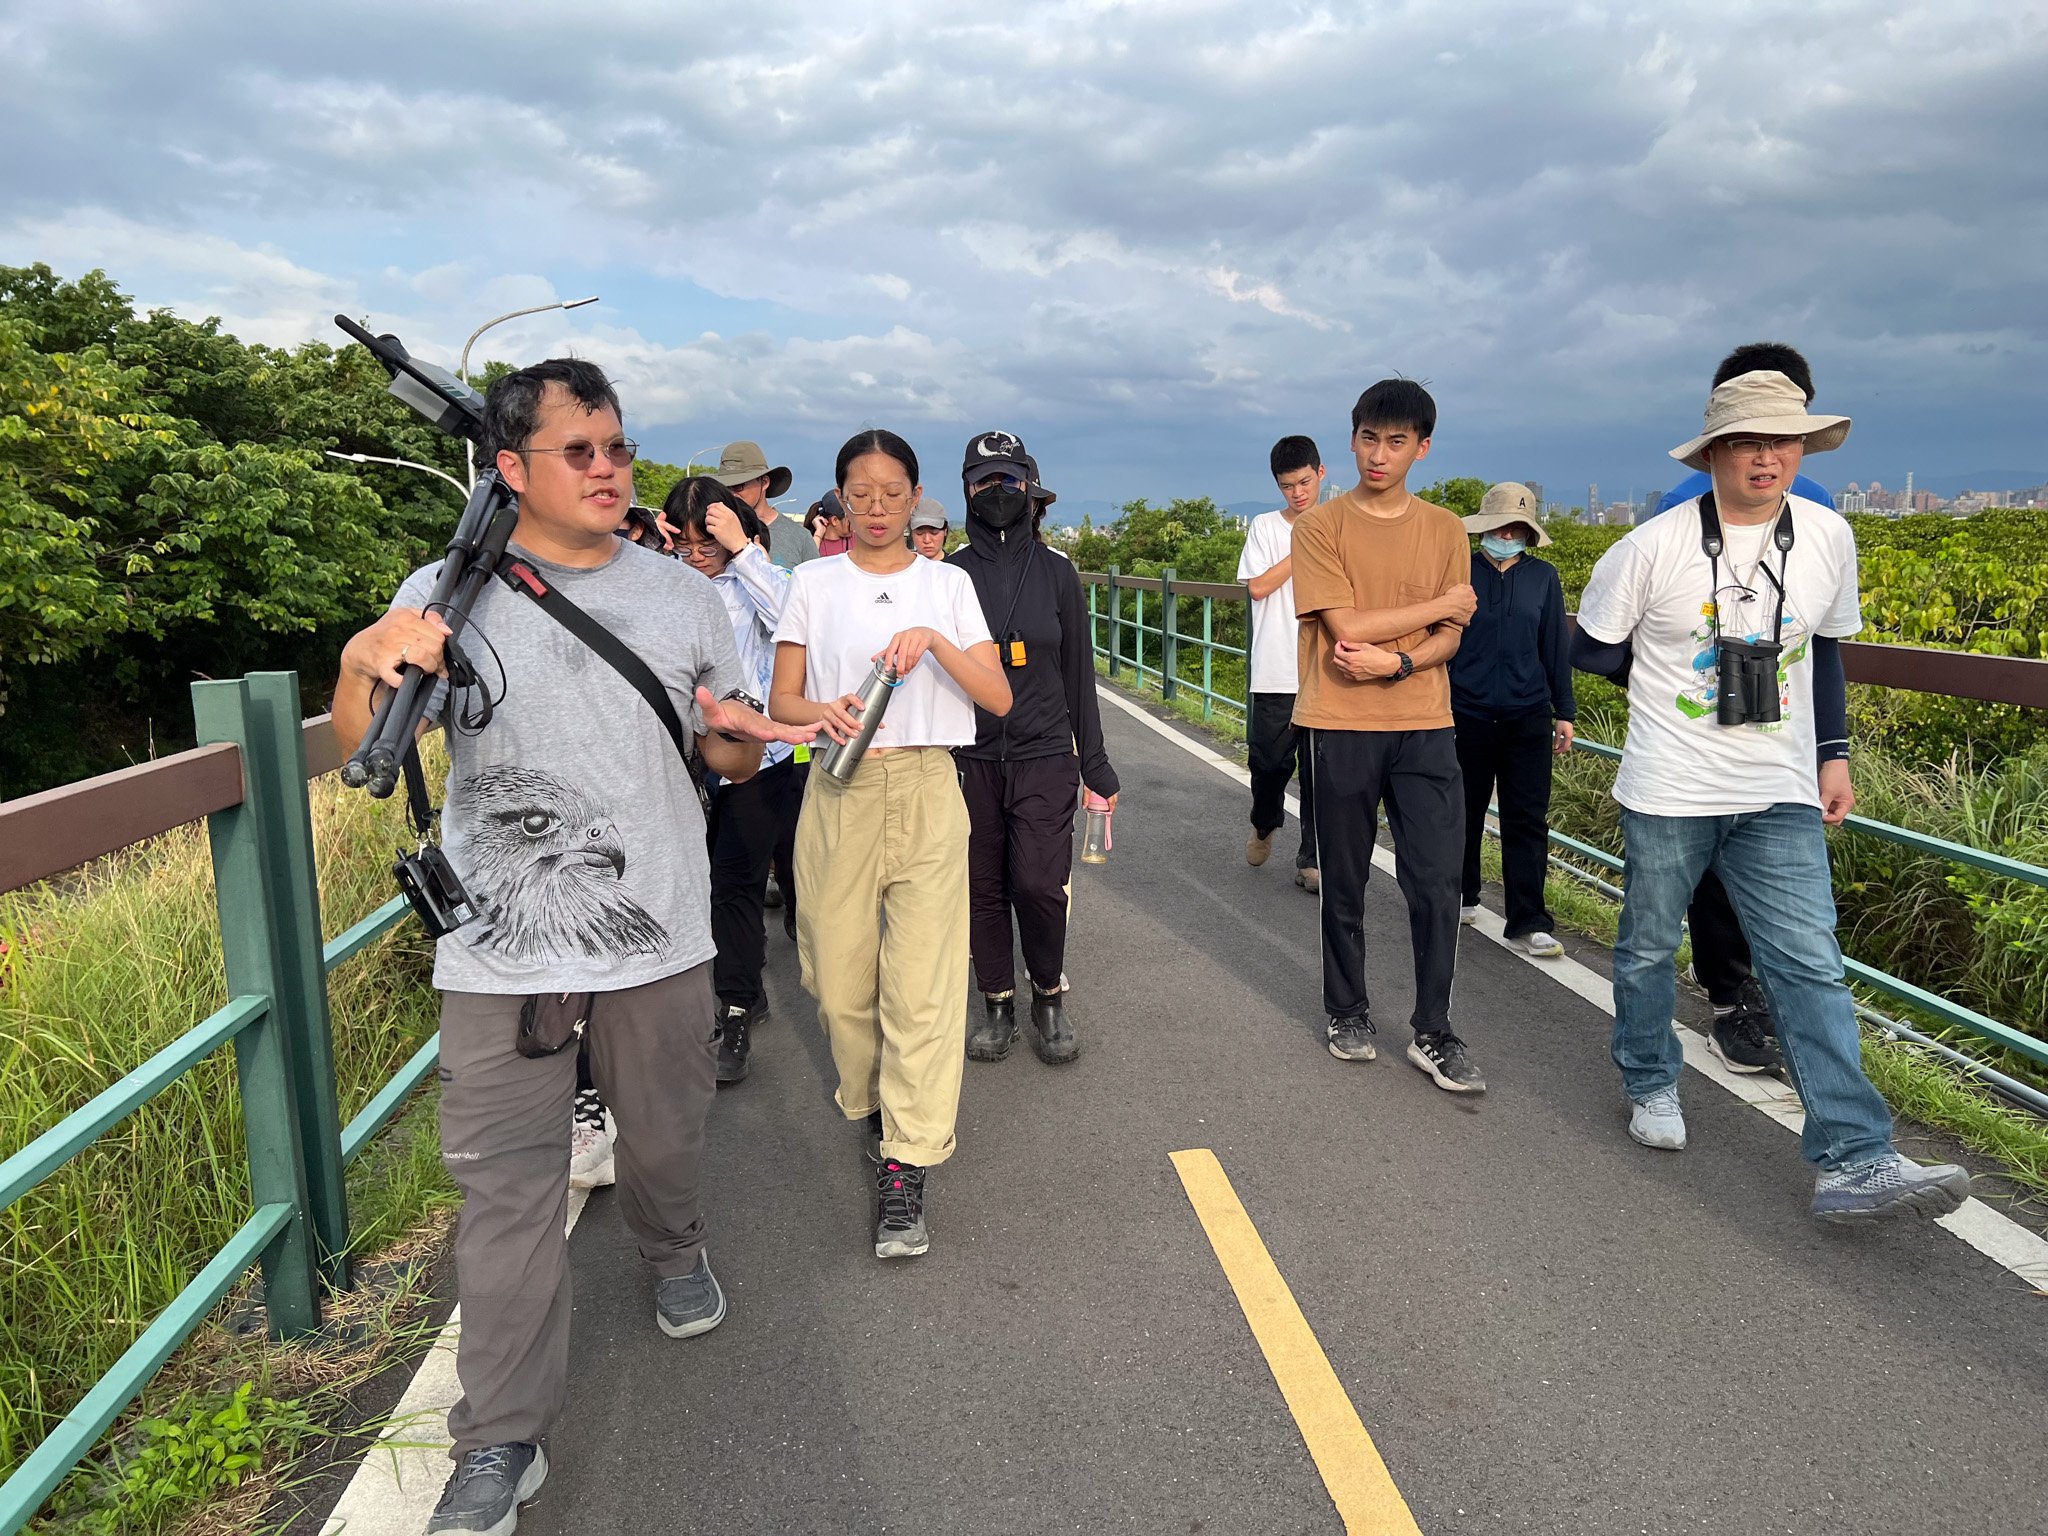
x=886 y=850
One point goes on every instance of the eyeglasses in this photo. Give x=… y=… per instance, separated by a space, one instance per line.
x=1756 y=447
x=580 y=454
x=860 y=501
x=1006 y=482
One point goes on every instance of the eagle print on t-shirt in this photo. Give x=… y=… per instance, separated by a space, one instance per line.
x=547 y=867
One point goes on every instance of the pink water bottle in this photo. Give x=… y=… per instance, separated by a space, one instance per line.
x=1095 y=843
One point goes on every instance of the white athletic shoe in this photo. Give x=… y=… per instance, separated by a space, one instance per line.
x=1467 y=916
x=590 y=1156
x=1542 y=945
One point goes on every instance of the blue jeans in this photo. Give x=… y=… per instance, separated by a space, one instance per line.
x=1774 y=863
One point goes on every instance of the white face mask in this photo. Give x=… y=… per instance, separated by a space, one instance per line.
x=1503 y=546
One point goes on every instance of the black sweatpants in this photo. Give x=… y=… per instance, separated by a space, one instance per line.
x=1020 y=854
x=1416 y=774
x=1720 y=949
x=746 y=819
x=1275 y=743
x=1514 y=755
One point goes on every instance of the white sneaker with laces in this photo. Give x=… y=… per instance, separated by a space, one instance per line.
x=1543 y=945
x=590 y=1156
x=1655 y=1120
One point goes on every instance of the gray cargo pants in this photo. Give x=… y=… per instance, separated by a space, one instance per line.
x=505 y=1140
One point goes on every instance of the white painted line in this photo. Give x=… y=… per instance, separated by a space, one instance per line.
x=1992 y=1233
x=399 y=1481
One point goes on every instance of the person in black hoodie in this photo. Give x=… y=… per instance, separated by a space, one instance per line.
x=1511 y=699
x=1022 y=776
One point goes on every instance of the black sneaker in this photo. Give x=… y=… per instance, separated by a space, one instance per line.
x=899 y=1211
x=735 y=1026
x=687 y=1305
x=1737 y=1036
x=1443 y=1057
x=486 y=1488
x=1350 y=1038
x=1752 y=997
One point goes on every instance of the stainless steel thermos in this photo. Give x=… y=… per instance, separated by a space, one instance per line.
x=842 y=757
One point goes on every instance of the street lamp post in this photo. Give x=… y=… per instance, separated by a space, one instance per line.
x=376 y=458
x=462 y=367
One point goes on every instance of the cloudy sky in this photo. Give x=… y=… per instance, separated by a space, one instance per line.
x=1150 y=237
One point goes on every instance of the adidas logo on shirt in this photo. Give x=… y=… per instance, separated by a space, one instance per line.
x=882 y=597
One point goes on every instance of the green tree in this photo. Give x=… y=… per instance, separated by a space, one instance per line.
x=1462 y=495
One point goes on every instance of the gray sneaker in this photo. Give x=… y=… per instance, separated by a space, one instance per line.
x=1888 y=1186
x=1350 y=1039
x=1656 y=1120
x=486 y=1488
x=687 y=1305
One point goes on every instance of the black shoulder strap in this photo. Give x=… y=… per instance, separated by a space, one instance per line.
x=521 y=577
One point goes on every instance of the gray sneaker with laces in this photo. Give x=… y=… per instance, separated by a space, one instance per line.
x=1655 y=1120
x=1350 y=1039
x=687 y=1305
x=1889 y=1186
x=486 y=1488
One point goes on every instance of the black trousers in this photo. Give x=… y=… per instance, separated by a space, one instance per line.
x=1416 y=774
x=1020 y=854
x=1720 y=949
x=785 y=839
x=746 y=819
x=1275 y=743
x=1515 y=757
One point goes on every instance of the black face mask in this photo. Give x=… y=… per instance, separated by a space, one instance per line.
x=999 y=506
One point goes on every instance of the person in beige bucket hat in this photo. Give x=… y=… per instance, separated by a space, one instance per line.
x=1726 y=614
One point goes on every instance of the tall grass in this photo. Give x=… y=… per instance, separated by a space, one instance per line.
x=103 y=968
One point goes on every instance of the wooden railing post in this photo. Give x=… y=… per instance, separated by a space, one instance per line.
x=253 y=940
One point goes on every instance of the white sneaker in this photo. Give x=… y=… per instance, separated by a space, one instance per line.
x=1657 y=1121
x=1542 y=945
x=1467 y=916
x=590 y=1156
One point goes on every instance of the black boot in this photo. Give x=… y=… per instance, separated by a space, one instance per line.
x=735 y=1024
x=1051 y=1035
x=995 y=1032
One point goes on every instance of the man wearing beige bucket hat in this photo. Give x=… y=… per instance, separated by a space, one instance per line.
x=1727 y=614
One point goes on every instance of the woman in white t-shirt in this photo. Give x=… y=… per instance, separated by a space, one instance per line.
x=881 y=861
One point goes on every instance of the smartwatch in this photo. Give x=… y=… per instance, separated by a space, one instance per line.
x=1407 y=665
x=741 y=696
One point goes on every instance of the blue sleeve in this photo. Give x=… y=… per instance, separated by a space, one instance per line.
x=1602 y=659
x=1557 y=665
x=1830 y=700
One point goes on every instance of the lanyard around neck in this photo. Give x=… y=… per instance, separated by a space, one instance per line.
x=1711 y=546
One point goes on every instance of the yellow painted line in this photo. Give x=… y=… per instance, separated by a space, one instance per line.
x=1349 y=1462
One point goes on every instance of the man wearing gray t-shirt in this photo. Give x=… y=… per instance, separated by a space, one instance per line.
x=577 y=832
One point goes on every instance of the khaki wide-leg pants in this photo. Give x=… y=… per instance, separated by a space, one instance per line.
x=881 y=869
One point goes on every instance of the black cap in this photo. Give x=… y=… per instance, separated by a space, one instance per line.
x=1002 y=450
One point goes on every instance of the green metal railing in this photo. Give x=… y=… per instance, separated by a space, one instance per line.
x=1171 y=592
x=268 y=903
x=1999 y=679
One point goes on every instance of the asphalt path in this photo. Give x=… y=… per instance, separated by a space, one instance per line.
x=1543 y=1326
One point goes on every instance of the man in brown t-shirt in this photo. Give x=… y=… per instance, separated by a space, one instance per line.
x=1382 y=587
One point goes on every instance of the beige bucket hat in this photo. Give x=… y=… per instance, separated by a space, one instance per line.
x=744 y=461
x=1507 y=503
x=1762 y=404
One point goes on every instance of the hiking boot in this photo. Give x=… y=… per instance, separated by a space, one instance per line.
x=486 y=1488
x=771 y=894
x=1259 y=849
x=1736 y=1036
x=687 y=1305
x=1350 y=1038
x=990 y=1037
x=590 y=1144
x=1051 y=1035
x=1310 y=879
x=735 y=1025
x=899 y=1211
x=1468 y=914
x=1442 y=1056
x=1655 y=1120
x=1889 y=1186
x=1543 y=946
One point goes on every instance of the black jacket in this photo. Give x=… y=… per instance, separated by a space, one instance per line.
x=1514 y=657
x=1028 y=591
